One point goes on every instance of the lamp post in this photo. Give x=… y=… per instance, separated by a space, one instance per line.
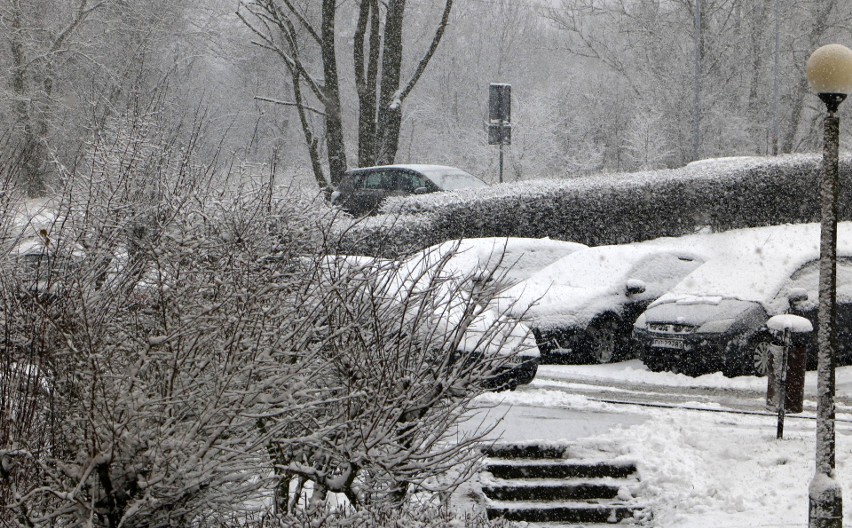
x=829 y=71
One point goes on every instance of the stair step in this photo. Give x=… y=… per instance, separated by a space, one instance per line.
x=576 y=469
x=551 y=492
x=528 y=451
x=578 y=512
x=623 y=523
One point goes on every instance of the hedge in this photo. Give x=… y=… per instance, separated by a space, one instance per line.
x=608 y=208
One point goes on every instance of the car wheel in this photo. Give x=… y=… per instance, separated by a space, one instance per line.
x=654 y=365
x=603 y=340
x=741 y=354
x=761 y=357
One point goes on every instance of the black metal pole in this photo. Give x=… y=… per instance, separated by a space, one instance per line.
x=825 y=498
x=501 y=160
x=782 y=386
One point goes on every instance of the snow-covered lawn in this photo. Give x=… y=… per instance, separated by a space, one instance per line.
x=699 y=469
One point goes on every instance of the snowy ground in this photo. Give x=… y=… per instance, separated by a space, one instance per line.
x=699 y=469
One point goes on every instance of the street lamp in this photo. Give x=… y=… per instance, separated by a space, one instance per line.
x=830 y=76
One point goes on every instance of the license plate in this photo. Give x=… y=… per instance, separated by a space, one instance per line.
x=668 y=343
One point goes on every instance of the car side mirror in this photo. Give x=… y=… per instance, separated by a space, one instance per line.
x=634 y=287
x=421 y=190
x=797 y=295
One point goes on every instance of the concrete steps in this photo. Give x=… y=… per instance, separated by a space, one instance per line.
x=546 y=484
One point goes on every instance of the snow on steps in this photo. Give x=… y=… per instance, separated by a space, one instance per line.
x=545 y=484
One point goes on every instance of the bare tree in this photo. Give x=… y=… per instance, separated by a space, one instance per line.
x=179 y=350
x=39 y=39
x=645 y=143
x=649 y=44
x=306 y=38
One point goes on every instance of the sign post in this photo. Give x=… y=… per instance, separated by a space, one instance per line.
x=500 y=117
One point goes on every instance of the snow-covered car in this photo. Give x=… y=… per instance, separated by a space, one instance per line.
x=362 y=191
x=432 y=294
x=715 y=318
x=500 y=261
x=42 y=264
x=581 y=308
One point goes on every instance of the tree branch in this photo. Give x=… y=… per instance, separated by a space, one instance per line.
x=421 y=67
x=289 y=103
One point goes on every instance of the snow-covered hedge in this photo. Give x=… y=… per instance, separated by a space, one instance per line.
x=611 y=208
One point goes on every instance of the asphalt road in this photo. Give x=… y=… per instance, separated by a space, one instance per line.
x=567 y=402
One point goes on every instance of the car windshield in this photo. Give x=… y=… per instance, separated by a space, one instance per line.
x=454 y=179
x=595 y=268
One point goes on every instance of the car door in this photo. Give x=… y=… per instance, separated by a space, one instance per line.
x=409 y=182
x=844 y=311
x=806 y=279
x=371 y=189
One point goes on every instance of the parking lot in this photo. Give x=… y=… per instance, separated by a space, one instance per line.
x=705 y=446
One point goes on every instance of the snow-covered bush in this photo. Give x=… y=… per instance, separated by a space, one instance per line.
x=415 y=517
x=197 y=364
x=612 y=208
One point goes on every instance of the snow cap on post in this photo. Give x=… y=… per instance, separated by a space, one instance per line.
x=794 y=323
x=829 y=70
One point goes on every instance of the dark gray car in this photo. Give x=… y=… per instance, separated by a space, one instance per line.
x=701 y=334
x=362 y=191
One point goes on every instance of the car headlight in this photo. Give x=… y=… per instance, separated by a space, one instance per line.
x=640 y=321
x=715 y=327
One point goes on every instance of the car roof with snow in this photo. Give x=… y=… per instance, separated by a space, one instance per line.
x=44 y=246
x=591 y=281
x=508 y=259
x=753 y=264
x=450 y=305
x=423 y=168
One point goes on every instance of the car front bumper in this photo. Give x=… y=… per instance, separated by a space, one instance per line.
x=696 y=353
x=512 y=375
x=560 y=345
x=504 y=373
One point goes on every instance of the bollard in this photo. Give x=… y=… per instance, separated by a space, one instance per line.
x=786 y=377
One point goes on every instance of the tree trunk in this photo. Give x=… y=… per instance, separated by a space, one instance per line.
x=310 y=138
x=333 y=117
x=390 y=105
x=31 y=177
x=366 y=75
x=756 y=38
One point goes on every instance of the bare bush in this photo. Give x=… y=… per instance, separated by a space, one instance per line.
x=192 y=354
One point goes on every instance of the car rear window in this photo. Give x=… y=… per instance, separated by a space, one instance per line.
x=454 y=180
